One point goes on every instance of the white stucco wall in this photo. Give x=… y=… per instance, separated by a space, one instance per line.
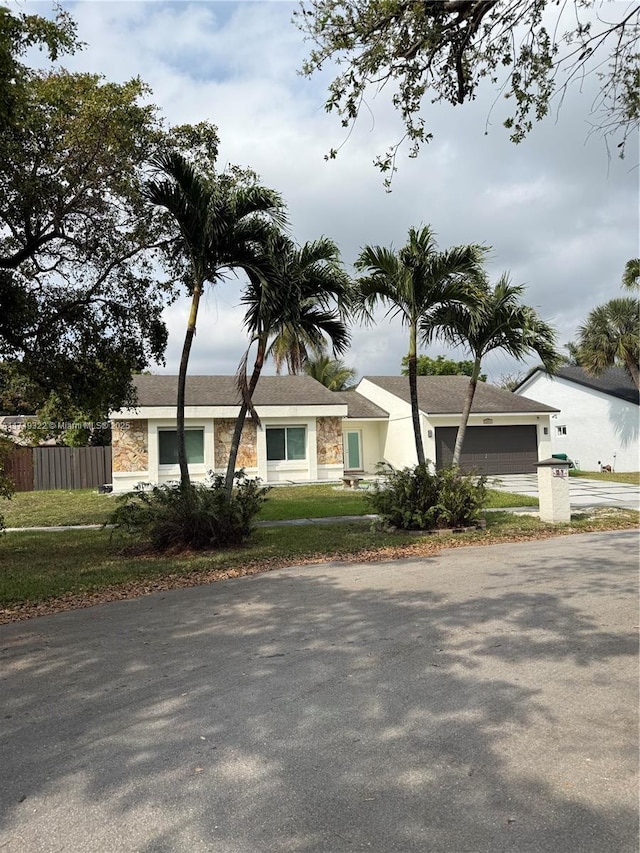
x=399 y=448
x=373 y=435
x=599 y=428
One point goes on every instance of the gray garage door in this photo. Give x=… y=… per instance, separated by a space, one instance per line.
x=490 y=450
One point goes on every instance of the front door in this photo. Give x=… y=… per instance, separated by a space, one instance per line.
x=353 y=450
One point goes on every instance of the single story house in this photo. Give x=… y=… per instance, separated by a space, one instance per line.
x=598 y=420
x=308 y=433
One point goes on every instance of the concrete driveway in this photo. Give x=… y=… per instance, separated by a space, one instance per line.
x=482 y=701
x=582 y=491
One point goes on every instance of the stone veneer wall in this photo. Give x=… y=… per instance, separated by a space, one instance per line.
x=129 y=446
x=329 y=441
x=248 y=450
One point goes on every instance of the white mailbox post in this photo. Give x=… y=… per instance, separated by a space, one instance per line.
x=553 y=491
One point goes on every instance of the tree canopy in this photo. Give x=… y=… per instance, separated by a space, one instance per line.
x=611 y=335
x=443 y=51
x=441 y=366
x=81 y=282
x=333 y=373
x=631 y=274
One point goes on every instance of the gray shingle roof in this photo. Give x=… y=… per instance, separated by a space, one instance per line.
x=222 y=391
x=444 y=395
x=615 y=381
x=359 y=407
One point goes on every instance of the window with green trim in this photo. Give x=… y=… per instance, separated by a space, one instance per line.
x=286 y=443
x=168 y=446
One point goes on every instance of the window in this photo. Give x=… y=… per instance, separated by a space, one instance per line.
x=561 y=430
x=168 y=446
x=286 y=443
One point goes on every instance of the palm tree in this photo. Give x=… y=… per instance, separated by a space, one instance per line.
x=611 y=334
x=330 y=372
x=631 y=275
x=498 y=321
x=413 y=283
x=293 y=350
x=218 y=226
x=303 y=292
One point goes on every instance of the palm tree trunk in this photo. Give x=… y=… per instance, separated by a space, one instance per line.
x=412 y=364
x=466 y=411
x=185 y=480
x=242 y=414
x=632 y=367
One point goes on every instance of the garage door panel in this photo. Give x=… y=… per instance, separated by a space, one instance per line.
x=490 y=450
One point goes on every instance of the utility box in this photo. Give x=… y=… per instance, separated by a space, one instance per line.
x=553 y=491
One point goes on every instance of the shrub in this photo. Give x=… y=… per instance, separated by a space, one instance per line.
x=197 y=516
x=417 y=499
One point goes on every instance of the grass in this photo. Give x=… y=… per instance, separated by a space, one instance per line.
x=85 y=506
x=46 y=572
x=632 y=477
x=59 y=507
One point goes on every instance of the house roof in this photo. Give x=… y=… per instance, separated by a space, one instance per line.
x=445 y=395
x=12 y=427
x=359 y=408
x=222 y=391
x=615 y=381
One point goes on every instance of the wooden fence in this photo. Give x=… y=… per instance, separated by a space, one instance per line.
x=40 y=468
x=19 y=468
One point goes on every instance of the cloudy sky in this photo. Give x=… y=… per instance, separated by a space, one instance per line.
x=560 y=214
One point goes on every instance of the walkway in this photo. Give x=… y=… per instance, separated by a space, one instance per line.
x=582 y=491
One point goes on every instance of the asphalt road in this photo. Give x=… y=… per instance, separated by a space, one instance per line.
x=482 y=701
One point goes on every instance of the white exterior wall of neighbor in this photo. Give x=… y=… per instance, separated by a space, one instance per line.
x=599 y=427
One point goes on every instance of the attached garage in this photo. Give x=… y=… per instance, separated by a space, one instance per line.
x=490 y=449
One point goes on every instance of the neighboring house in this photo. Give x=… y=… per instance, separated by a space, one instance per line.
x=308 y=433
x=598 y=422
x=506 y=434
x=13 y=427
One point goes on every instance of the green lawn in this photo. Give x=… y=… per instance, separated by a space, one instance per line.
x=49 y=509
x=89 y=566
x=632 y=477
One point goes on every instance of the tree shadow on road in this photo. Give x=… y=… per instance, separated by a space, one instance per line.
x=386 y=707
